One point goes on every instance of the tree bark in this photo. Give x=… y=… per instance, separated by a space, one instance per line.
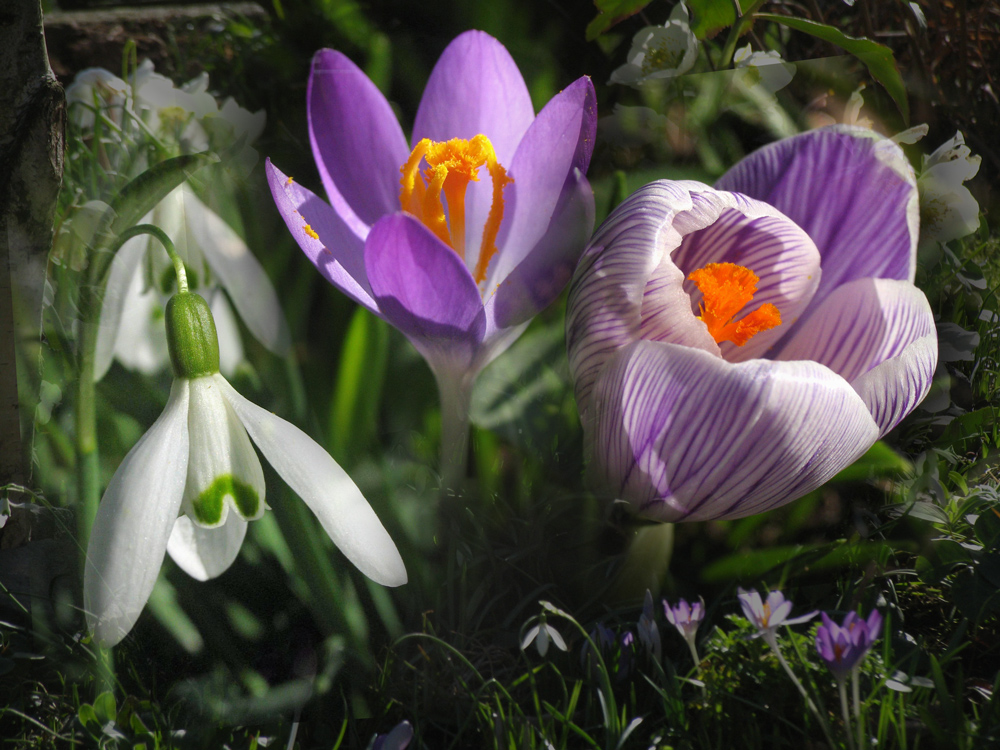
x=32 y=144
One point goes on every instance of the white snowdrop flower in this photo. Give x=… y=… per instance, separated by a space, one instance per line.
x=660 y=52
x=193 y=481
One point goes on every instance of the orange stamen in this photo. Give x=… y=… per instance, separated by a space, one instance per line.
x=726 y=288
x=451 y=166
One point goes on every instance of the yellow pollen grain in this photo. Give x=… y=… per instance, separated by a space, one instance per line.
x=309 y=230
x=288 y=182
x=451 y=166
x=726 y=288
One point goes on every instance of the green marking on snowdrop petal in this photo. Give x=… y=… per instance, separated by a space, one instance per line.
x=208 y=505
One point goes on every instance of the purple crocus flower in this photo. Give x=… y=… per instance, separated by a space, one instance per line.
x=698 y=403
x=685 y=617
x=398 y=739
x=461 y=235
x=767 y=615
x=844 y=646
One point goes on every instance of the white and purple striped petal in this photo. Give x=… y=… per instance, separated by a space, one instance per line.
x=685 y=436
x=851 y=190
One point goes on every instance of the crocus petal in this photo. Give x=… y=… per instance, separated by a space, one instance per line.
x=731 y=228
x=133 y=523
x=892 y=389
x=683 y=435
x=559 y=141
x=540 y=277
x=124 y=280
x=240 y=273
x=424 y=289
x=607 y=295
x=356 y=140
x=850 y=190
x=206 y=553
x=862 y=324
x=326 y=240
x=475 y=88
x=223 y=471
x=328 y=491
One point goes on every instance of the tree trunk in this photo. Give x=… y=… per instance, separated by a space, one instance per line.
x=32 y=138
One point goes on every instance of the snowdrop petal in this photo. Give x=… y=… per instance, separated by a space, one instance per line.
x=224 y=472
x=227 y=329
x=325 y=487
x=134 y=521
x=206 y=553
x=124 y=280
x=240 y=273
x=141 y=343
x=682 y=435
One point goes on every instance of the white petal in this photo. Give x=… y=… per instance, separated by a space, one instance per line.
x=325 y=487
x=134 y=519
x=228 y=330
x=223 y=471
x=240 y=273
x=530 y=636
x=556 y=637
x=122 y=279
x=141 y=343
x=206 y=553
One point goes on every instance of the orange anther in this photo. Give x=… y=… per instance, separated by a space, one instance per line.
x=726 y=288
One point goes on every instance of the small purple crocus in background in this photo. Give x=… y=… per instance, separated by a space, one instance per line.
x=461 y=255
x=686 y=618
x=733 y=348
x=649 y=632
x=397 y=739
x=844 y=646
x=769 y=614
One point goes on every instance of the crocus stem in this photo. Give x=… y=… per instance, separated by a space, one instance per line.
x=842 y=687
x=856 y=695
x=455 y=391
x=773 y=643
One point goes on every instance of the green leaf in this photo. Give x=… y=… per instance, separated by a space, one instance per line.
x=355 y=404
x=137 y=199
x=610 y=12
x=87 y=715
x=105 y=708
x=708 y=17
x=878 y=462
x=877 y=57
x=988 y=529
x=974 y=425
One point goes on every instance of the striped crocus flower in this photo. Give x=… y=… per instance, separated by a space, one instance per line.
x=732 y=348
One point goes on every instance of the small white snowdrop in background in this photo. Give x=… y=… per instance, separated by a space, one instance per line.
x=948 y=210
x=765 y=69
x=660 y=52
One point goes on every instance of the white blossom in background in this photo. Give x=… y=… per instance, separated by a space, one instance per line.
x=765 y=69
x=948 y=210
x=183 y=119
x=660 y=52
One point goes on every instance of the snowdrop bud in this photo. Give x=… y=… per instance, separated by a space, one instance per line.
x=191 y=336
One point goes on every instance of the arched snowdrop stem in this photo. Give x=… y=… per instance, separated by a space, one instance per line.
x=91 y=297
